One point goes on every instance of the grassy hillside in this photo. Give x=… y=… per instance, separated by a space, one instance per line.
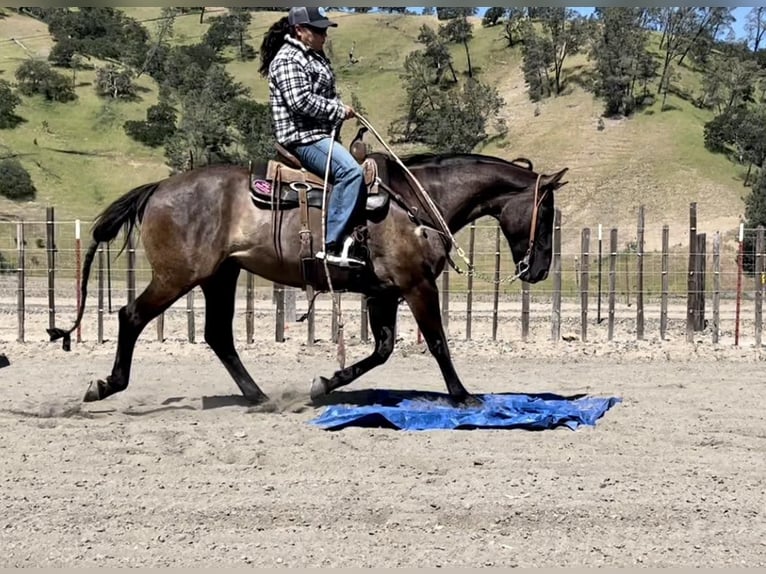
x=80 y=158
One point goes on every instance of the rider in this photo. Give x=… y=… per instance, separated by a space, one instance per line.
x=305 y=107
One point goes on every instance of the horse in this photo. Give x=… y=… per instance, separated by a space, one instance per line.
x=203 y=226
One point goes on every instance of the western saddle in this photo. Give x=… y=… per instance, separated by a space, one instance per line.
x=287 y=184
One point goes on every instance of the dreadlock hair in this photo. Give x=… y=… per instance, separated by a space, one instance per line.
x=272 y=42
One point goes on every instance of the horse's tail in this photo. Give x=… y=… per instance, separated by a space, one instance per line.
x=125 y=211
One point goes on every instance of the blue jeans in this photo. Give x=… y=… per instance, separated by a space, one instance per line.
x=346 y=177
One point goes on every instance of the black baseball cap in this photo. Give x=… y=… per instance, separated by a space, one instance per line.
x=311 y=16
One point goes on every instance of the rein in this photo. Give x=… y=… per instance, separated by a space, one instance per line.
x=444 y=231
x=424 y=195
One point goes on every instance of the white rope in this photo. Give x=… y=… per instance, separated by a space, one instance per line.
x=324 y=207
x=335 y=304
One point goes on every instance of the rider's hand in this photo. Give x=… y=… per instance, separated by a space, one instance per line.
x=350 y=113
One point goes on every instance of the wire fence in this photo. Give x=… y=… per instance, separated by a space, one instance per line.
x=599 y=275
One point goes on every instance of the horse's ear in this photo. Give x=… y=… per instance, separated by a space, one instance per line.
x=554 y=181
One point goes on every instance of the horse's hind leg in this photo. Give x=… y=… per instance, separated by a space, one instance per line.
x=382 y=312
x=424 y=303
x=155 y=299
x=219 y=292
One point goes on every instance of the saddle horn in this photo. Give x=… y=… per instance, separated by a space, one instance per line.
x=357 y=147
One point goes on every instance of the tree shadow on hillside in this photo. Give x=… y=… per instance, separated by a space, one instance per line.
x=475 y=70
x=742 y=174
x=11 y=121
x=682 y=94
x=77 y=152
x=136 y=96
x=669 y=108
x=582 y=76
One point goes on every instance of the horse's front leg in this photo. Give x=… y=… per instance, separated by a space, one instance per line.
x=423 y=301
x=382 y=312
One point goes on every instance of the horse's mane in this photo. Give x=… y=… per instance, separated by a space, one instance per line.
x=444 y=159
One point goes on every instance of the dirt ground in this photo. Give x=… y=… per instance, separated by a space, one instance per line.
x=178 y=471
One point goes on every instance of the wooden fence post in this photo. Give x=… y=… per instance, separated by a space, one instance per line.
x=100 y=327
x=584 y=251
x=700 y=273
x=496 y=285
x=279 y=299
x=600 y=251
x=445 y=300
x=524 y=311
x=612 y=280
x=20 y=295
x=716 y=285
x=640 y=274
x=131 y=249
x=626 y=259
x=161 y=327
x=249 y=307
x=290 y=302
x=364 y=321
x=310 y=322
x=758 y=276
x=78 y=272
x=665 y=282
x=469 y=295
x=50 y=246
x=740 y=258
x=691 y=283
x=556 y=304
x=190 y=323
x=109 y=277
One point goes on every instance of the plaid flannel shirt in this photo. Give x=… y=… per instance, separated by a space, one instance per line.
x=304 y=103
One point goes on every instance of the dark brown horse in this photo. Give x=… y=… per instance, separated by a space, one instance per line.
x=200 y=228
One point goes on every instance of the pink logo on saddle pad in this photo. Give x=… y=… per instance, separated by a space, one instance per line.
x=262 y=187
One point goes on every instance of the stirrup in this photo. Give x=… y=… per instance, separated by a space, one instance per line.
x=344 y=259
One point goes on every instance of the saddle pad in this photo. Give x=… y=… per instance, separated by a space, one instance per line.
x=261 y=193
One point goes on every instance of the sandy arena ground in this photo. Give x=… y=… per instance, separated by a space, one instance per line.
x=178 y=471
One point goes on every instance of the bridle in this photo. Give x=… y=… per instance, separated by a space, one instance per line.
x=533 y=225
x=523 y=265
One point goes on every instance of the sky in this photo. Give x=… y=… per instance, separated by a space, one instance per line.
x=739 y=14
x=739 y=25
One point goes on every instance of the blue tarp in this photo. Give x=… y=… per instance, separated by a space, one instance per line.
x=431 y=411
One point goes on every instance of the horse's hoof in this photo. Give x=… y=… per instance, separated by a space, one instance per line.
x=470 y=401
x=93 y=393
x=319 y=387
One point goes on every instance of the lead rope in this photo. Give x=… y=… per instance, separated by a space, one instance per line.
x=336 y=309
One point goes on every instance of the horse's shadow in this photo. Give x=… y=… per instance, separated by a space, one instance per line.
x=171 y=404
x=224 y=402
